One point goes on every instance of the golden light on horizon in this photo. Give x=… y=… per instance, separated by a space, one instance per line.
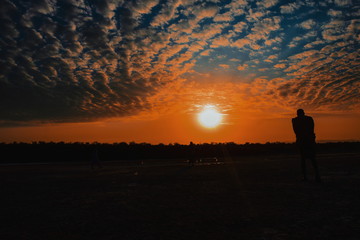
x=209 y=117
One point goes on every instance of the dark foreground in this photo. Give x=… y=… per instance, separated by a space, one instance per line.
x=249 y=198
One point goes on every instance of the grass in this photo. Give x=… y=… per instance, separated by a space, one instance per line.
x=245 y=198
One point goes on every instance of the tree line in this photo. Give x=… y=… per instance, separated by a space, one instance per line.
x=79 y=151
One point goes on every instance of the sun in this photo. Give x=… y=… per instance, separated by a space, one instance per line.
x=209 y=117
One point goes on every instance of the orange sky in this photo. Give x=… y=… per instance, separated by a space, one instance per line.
x=249 y=115
x=87 y=72
x=183 y=128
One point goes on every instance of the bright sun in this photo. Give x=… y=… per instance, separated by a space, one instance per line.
x=209 y=117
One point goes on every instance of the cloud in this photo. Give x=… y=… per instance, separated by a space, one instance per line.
x=255 y=15
x=220 y=41
x=289 y=8
x=280 y=65
x=142 y=7
x=206 y=52
x=242 y=67
x=267 y=3
x=272 y=41
x=72 y=70
x=226 y=66
x=271 y=58
x=339 y=29
x=302 y=38
x=197 y=13
x=225 y=17
x=70 y=60
x=314 y=43
x=343 y=3
x=207 y=32
x=233 y=5
x=240 y=43
x=334 y=13
x=239 y=27
x=308 y=24
x=302 y=55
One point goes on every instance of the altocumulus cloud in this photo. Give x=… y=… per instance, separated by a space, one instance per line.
x=74 y=60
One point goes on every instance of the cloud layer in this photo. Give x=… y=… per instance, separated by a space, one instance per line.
x=70 y=60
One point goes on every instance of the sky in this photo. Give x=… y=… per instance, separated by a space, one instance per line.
x=141 y=70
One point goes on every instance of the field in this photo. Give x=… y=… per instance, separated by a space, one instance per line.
x=239 y=198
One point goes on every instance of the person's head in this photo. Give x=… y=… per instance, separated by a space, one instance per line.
x=300 y=112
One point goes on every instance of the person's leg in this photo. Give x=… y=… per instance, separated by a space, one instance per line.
x=302 y=148
x=316 y=169
x=303 y=167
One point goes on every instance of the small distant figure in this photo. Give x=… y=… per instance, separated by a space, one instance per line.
x=192 y=155
x=305 y=139
x=95 y=160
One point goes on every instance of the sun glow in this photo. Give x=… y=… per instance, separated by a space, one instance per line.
x=209 y=117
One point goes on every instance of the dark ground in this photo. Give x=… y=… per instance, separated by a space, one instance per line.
x=245 y=198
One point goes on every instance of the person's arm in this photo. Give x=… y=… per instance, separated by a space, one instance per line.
x=294 y=125
x=312 y=125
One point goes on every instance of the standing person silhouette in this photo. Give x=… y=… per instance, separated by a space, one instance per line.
x=95 y=160
x=305 y=139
